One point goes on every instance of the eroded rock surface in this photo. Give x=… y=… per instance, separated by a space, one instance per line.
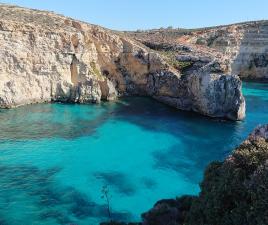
x=242 y=49
x=245 y=46
x=48 y=57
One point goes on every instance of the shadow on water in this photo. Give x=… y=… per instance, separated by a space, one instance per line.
x=73 y=121
x=117 y=180
x=200 y=140
x=199 y=133
x=156 y=116
x=51 y=201
x=148 y=183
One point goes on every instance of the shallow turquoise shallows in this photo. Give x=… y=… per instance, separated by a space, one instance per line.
x=56 y=158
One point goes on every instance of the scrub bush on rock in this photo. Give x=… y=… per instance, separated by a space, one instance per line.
x=233 y=192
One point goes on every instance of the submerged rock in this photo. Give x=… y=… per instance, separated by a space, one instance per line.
x=48 y=57
x=233 y=192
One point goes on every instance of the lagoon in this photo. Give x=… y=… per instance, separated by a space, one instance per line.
x=56 y=158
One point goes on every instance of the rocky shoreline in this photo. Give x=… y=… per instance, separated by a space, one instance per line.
x=233 y=192
x=49 y=57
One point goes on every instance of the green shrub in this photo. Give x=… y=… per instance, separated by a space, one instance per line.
x=179 y=65
x=233 y=192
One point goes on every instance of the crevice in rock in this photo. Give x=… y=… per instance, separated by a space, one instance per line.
x=74 y=70
x=104 y=90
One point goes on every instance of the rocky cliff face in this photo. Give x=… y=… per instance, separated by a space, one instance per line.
x=233 y=192
x=245 y=45
x=48 y=57
x=242 y=48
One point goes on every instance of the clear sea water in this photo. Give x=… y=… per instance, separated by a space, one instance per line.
x=56 y=158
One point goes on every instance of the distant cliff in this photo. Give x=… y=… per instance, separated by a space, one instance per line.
x=242 y=48
x=48 y=57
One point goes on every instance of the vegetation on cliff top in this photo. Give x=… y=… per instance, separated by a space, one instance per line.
x=171 y=59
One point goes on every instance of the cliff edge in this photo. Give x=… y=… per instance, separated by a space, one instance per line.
x=48 y=57
x=240 y=48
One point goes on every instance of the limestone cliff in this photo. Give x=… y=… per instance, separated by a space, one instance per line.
x=245 y=45
x=233 y=192
x=48 y=57
x=242 y=48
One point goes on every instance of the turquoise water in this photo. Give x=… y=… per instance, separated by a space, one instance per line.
x=56 y=158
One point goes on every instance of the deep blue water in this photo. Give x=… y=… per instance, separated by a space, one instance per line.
x=55 y=158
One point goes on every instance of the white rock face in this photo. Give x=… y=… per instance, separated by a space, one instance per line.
x=251 y=61
x=215 y=95
x=47 y=57
x=50 y=57
x=244 y=46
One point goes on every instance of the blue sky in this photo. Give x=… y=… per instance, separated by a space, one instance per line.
x=144 y=14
